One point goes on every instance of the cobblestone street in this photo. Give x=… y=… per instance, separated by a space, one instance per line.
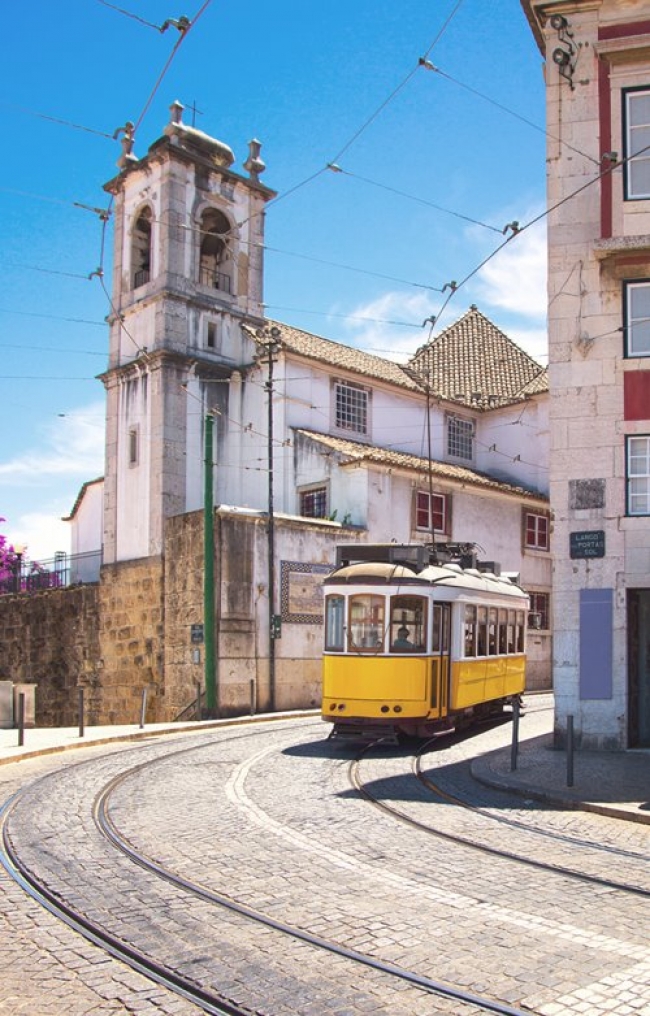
x=266 y=815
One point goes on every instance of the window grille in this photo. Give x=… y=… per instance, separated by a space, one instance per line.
x=460 y=438
x=313 y=503
x=351 y=408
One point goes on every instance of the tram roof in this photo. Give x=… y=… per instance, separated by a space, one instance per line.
x=449 y=575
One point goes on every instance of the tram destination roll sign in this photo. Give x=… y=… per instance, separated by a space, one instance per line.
x=590 y=543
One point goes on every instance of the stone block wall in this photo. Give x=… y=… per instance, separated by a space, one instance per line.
x=131 y=639
x=51 y=639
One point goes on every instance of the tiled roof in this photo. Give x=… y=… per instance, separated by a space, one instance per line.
x=347 y=357
x=475 y=363
x=355 y=451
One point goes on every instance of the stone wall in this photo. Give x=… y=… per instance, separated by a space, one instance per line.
x=131 y=638
x=51 y=639
x=241 y=615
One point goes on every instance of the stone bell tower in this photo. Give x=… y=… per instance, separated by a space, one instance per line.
x=188 y=270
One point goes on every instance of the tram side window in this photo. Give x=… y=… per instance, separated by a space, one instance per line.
x=512 y=645
x=408 y=624
x=366 y=623
x=470 y=630
x=520 y=631
x=481 y=641
x=503 y=632
x=334 y=621
x=492 y=631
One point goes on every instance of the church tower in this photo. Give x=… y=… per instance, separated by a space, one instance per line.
x=187 y=272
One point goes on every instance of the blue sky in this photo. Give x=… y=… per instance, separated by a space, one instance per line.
x=306 y=79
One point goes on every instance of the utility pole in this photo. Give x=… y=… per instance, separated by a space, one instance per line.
x=270 y=344
x=210 y=665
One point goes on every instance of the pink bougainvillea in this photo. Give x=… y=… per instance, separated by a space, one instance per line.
x=8 y=558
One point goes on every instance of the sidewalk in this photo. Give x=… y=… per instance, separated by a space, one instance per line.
x=47 y=740
x=609 y=783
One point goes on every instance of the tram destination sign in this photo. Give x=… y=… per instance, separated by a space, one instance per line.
x=590 y=543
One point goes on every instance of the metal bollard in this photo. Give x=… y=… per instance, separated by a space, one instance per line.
x=81 y=712
x=515 y=735
x=569 y=751
x=143 y=710
x=21 y=719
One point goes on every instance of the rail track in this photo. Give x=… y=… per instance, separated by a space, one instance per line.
x=207 y=998
x=529 y=829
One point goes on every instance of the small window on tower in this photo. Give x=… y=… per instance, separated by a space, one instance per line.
x=141 y=249
x=212 y=335
x=133 y=446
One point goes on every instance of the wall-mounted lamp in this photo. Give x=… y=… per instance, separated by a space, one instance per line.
x=564 y=55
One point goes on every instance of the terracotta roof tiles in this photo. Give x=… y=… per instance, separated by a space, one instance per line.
x=355 y=451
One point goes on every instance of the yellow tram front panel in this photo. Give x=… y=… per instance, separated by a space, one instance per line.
x=364 y=685
x=484 y=680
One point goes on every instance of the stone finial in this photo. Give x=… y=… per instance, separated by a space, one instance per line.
x=254 y=165
x=176 y=110
x=127 y=141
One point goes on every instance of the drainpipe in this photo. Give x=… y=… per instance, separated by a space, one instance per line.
x=210 y=671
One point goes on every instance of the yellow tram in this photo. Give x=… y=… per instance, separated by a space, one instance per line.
x=414 y=645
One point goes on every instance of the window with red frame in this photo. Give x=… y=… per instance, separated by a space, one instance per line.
x=431 y=512
x=536 y=531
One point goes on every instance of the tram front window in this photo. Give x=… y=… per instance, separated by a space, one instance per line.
x=408 y=624
x=366 y=625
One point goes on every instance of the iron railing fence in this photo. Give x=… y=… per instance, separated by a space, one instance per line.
x=62 y=570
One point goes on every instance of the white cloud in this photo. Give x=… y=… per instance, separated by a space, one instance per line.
x=382 y=333
x=73 y=445
x=515 y=279
x=40 y=484
x=41 y=534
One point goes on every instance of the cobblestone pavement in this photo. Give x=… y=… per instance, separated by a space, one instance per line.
x=268 y=816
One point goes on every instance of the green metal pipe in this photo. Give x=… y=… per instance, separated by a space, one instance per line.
x=210 y=671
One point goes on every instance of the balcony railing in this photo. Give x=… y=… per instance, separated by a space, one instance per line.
x=61 y=571
x=216 y=280
x=141 y=278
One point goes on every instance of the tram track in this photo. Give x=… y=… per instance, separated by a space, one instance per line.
x=206 y=999
x=402 y=816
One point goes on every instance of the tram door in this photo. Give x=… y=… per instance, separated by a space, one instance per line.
x=440 y=650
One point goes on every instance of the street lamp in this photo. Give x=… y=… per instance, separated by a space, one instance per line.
x=19 y=550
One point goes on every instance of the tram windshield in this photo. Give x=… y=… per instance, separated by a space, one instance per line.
x=366 y=623
x=408 y=624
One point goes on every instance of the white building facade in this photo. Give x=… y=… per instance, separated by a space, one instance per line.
x=598 y=117
x=451 y=447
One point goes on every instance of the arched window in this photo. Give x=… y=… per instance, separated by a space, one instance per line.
x=141 y=249
x=214 y=264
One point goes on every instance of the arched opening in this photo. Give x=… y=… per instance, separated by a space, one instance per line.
x=141 y=249
x=215 y=268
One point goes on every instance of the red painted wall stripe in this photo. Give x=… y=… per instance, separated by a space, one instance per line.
x=636 y=395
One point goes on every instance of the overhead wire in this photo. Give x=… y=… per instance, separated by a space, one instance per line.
x=129 y=14
x=59 y=120
x=179 y=42
x=413 y=197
